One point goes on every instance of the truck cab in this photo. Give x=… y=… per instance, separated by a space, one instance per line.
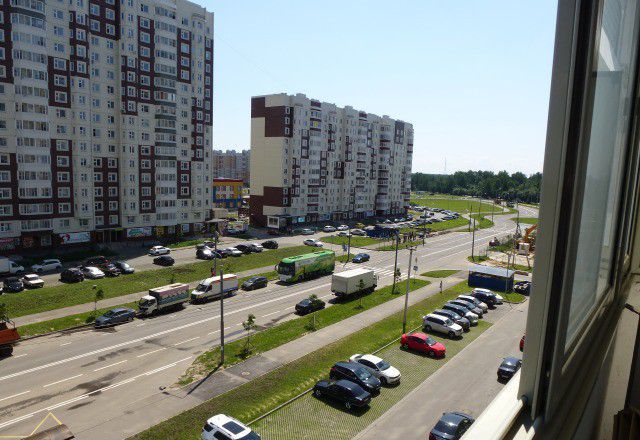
x=8 y=336
x=147 y=305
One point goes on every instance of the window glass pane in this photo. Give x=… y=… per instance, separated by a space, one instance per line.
x=612 y=92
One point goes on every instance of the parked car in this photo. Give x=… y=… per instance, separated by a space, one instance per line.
x=115 y=316
x=342 y=228
x=204 y=254
x=233 y=252
x=164 y=260
x=124 y=267
x=490 y=299
x=360 y=258
x=451 y=426
x=224 y=427
x=508 y=368
x=109 y=269
x=92 y=272
x=159 y=250
x=270 y=244
x=349 y=393
x=98 y=260
x=32 y=281
x=343 y=234
x=47 y=266
x=475 y=301
x=458 y=319
x=256 y=247
x=72 y=275
x=494 y=242
x=462 y=311
x=255 y=283
x=480 y=290
x=307 y=231
x=523 y=287
x=380 y=368
x=522 y=342
x=245 y=249
x=422 y=343
x=469 y=305
x=12 y=285
x=358 y=232
x=356 y=373
x=312 y=242
x=329 y=228
x=308 y=306
x=441 y=324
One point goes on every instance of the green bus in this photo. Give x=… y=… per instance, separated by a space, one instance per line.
x=302 y=267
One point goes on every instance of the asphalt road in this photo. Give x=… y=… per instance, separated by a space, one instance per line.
x=87 y=377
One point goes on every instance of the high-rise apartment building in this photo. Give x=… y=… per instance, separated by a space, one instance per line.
x=314 y=161
x=105 y=119
x=231 y=164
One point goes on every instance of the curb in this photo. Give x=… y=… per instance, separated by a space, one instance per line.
x=66 y=330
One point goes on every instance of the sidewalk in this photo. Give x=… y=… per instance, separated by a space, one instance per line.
x=159 y=407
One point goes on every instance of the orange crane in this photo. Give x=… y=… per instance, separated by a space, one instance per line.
x=528 y=238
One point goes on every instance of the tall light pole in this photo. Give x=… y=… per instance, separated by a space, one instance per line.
x=221 y=317
x=473 y=239
x=406 y=295
x=395 y=264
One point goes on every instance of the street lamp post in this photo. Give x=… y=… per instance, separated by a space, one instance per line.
x=221 y=317
x=406 y=295
x=395 y=264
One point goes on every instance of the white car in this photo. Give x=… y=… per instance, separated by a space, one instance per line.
x=359 y=232
x=159 y=250
x=32 y=281
x=380 y=368
x=47 y=265
x=441 y=324
x=343 y=234
x=233 y=252
x=476 y=301
x=342 y=228
x=256 y=247
x=329 y=229
x=92 y=272
x=222 y=426
x=481 y=290
x=313 y=242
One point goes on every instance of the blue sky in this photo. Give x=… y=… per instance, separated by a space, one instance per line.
x=472 y=76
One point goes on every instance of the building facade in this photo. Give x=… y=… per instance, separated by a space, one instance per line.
x=313 y=161
x=231 y=164
x=105 y=119
x=227 y=193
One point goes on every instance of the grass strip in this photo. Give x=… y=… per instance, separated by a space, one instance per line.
x=356 y=240
x=482 y=222
x=455 y=204
x=275 y=336
x=444 y=273
x=477 y=258
x=527 y=220
x=55 y=297
x=256 y=397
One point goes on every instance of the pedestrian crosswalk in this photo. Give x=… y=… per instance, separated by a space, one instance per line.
x=380 y=272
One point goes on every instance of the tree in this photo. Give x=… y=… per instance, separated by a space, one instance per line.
x=99 y=296
x=3 y=312
x=397 y=275
x=249 y=326
x=361 y=292
x=313 y=299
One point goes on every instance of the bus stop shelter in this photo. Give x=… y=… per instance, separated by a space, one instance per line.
x=493 y=278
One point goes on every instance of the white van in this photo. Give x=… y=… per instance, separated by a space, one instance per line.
x=210 y=287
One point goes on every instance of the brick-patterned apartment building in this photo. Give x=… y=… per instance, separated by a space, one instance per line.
x=231 y=164
x=105 y=120
x=314 y=161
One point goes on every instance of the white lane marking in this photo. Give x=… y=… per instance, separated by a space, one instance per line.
x=151 y=352
x=112 y=365
x=141 y=324
x=272 y=313
x=66 y=343
x=214 y=332
x=20 y=355
x=184 y=342
x=15 y=395
x=63 y=380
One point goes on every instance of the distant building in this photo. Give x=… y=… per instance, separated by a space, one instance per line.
x=227 y=193
x=231 y=164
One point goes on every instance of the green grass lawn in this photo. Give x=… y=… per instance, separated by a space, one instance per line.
x=392 y=246
x=453 y=203
x=444 y=273
x=477 y=258
x=356 y=240
x=481 y=221
x=526 y=220
x=289 y=330
x=55 y=297
x=185 y=243
x=256 y=397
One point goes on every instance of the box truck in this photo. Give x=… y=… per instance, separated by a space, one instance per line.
x=210 y=288
x=162 y=298
x=8 y=336
x=8 y=267
x=353 y=281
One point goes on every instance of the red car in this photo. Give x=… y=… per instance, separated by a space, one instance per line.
x=522 y=343
x=423 y=343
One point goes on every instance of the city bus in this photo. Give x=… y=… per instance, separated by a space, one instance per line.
x=303 y=267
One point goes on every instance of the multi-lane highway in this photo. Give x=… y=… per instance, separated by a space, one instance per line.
x=89 y=377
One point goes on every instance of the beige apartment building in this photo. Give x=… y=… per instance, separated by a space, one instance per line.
x=105 y=120
x=313 y=161
x=231 y=164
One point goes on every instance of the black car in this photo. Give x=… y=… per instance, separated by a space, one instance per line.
x=460 y=320
x=490 y=299
x=360 y=258
x=462 y=311
x=124 y=267
x=349 y=393
x=96 y=261
x=115 y=317
x=356 y=373
x=523 y=287
x=164 y=260
x=13 y=285
x=204 y=254
x=244 y=248
x=109 y=269
x=451 y=426
x=308 y=306
x=255 y=283
x=508 y=368
x=469 y=305
x=270 y=244
x=71 y=275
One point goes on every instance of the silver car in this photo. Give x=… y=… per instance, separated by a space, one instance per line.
x=469 y=305
x=476 y=301
x=380 y=368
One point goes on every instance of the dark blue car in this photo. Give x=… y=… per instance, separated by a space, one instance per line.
x=115 y=316
x=360 y=258
x=451 y=426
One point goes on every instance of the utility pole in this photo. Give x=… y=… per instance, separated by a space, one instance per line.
x=493 y=205
x=406 y=295
x=473 y=239
x=221 y=317
x=395 y=264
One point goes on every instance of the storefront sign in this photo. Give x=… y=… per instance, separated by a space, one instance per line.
x=139 y=232
x=8 y=244
x=75 y=237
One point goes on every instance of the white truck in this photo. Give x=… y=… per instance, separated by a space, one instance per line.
x=8 y=267
x=162 y=298
x=210 y=287
x=353 y=281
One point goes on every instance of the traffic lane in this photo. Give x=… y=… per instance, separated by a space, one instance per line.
x=467 y=383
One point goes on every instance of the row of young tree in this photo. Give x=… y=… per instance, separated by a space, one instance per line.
x=481 y=184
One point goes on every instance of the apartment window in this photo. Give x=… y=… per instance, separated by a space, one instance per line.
x=99 y=219
x=64 y=208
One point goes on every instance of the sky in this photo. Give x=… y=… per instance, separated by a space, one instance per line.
x=472 y=76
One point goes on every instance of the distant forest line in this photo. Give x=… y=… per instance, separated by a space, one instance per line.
x=516 y=186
